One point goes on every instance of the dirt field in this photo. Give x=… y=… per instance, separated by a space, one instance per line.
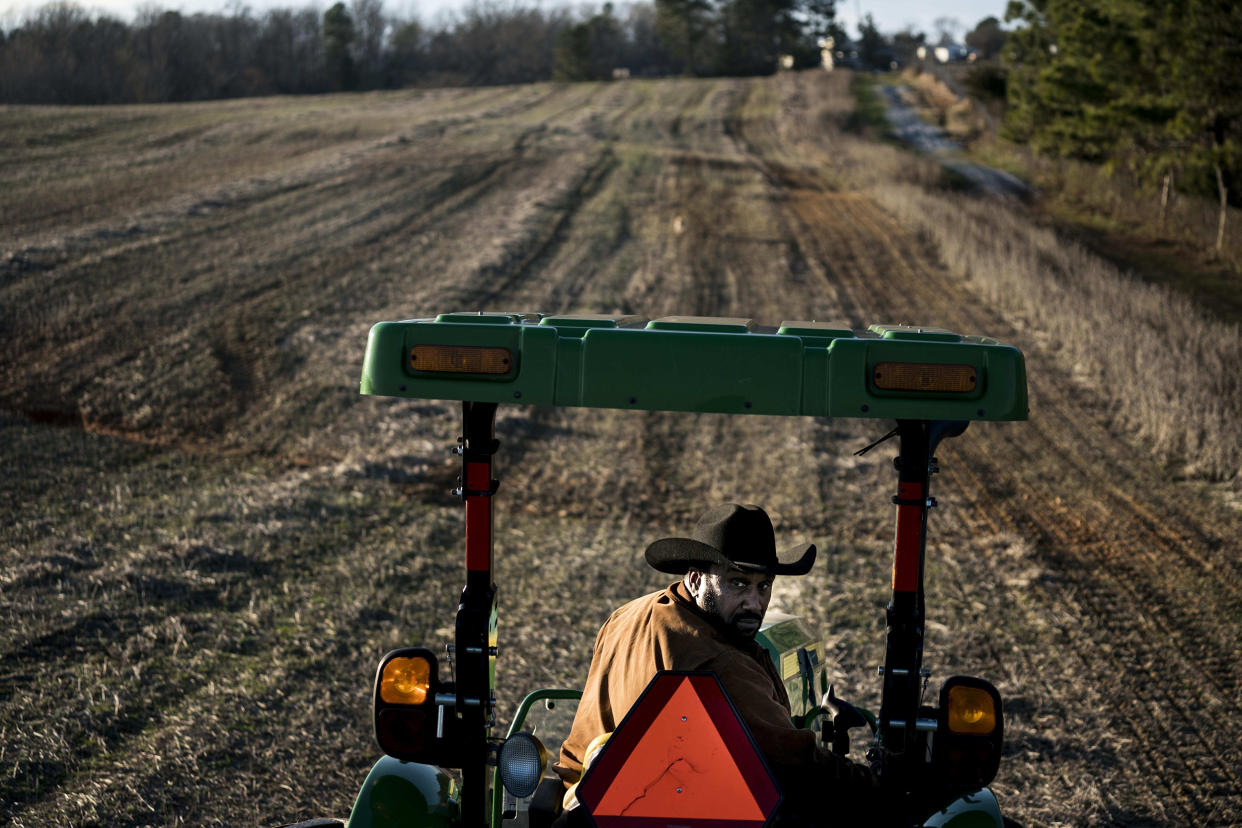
x=208 y=538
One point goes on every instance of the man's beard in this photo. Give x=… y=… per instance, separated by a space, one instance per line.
x=731 y=624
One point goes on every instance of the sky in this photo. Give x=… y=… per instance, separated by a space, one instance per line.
x=890 y=15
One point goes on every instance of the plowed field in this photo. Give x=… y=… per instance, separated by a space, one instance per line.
x=207 y=539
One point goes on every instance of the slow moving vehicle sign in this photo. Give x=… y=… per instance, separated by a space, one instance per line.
x=683 y=757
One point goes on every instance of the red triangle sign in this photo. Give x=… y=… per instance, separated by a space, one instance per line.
x=681 y=757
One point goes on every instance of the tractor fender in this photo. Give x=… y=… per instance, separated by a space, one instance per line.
x=974 y=810
x=397 y=793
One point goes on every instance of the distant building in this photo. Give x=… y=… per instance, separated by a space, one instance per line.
x=950 y=53
x=825 y=53
x=834 y=55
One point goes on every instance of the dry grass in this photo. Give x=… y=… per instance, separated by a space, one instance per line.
x=1102 y=200
x=1099 y=198
x=187 y=617
x=962 y=117
x=209 y=538
x=1167 y=368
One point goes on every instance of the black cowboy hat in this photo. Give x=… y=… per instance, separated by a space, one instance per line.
x=731 y=535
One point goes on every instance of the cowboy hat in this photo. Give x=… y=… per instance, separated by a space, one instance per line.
x=730 y=535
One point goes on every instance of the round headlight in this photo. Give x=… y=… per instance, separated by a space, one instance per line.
x=522 y=760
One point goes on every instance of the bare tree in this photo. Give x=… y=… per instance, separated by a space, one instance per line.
x=946 y=29
x=370 y=26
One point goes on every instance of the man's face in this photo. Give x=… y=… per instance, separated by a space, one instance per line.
x=738 y=598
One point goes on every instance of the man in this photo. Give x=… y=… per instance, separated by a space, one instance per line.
x=708 y=621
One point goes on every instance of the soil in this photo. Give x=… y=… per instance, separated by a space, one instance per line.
x=209 y=539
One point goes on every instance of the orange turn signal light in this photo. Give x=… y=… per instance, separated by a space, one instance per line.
x=460 y=359
x=971 y=710
x=925 y=376
x=405 y=680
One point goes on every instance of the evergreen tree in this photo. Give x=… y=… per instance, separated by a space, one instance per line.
x=756 y=33
x=573 y=54
x=687 y=31
x=1140 y=83
x=406 y=56
x=1205 y=70
x=1086 y=79
x=1137 y=82
x=819 y=18
x=987 y=38
x=873 y=51
x=590 y=50
x=338 y=36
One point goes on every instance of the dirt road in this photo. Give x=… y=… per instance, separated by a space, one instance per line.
x=209 y=538
x=909 y=127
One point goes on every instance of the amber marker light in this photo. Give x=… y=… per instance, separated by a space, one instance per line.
x=971 y=710
x=460 y=359
x=405 y=680
x=924 y=376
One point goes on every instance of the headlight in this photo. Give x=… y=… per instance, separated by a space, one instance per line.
x=521 y=763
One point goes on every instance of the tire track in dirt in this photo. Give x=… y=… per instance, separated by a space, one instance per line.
x=1165 y=725
x=322 y=221
x=1104 y=596
x=596 y=241
x=890 y=273
x=1045 y=517
x=526 y=260
x=1137 y=634
x=1142 y=656
x=1137 y=598
x=640 y=434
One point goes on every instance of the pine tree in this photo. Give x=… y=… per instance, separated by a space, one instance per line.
x=687 y=32
x=756 y=33
x=1205 y=68
x=338 y=36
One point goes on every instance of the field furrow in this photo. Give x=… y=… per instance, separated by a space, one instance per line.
x=208 y=538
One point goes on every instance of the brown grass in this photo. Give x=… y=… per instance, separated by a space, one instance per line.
x=1167 y=368
x=1104 y=199
x=962 y=117
x=208 y=539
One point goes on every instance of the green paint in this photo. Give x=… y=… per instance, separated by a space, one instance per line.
x=976 y=810
x=698 y=364
x=398 y=793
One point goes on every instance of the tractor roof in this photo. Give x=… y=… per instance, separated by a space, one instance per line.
x=691 y=363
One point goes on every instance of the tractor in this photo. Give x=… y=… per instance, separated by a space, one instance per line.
x=434 y=711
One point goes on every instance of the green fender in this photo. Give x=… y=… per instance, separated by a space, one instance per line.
x=398 y=793
x=976 y=810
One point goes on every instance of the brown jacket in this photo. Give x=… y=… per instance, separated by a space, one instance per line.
x=667 y=631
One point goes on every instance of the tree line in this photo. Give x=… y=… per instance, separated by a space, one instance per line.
x=1153 y=86
x=63 y=54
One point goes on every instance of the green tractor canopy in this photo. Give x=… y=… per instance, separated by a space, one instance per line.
x=704 y=364
x=932 y=382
